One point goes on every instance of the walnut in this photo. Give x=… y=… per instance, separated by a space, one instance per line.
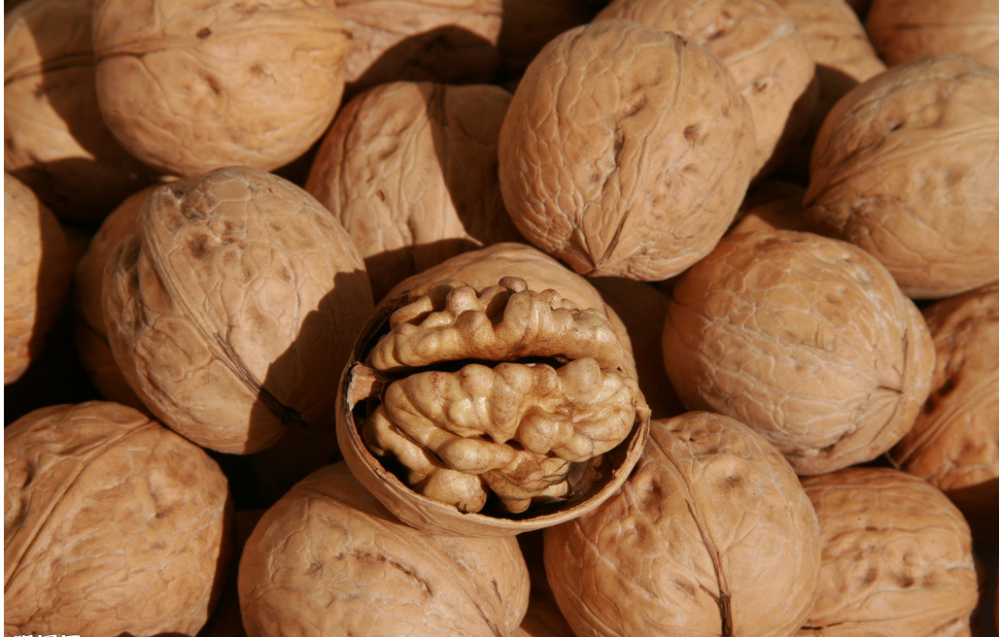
x=806 y=339
x=328 y=559
x=113 y=524
x=897 y=557
x=232 y=306
x=410 y=170
x=905 y=166
x=188 y=86
x=711 y=535
x=625 y=151
x=504 y=402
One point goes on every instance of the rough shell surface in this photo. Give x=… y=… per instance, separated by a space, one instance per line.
x=904 y=30
x=806 y=339
x=625 y=151
x=897 y=557
x=712 y=534
x=232 y=307
x=905 y=166
x=328 y=559
x=113 y=524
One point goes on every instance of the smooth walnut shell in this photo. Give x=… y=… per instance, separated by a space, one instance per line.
x=328 y=559
x=37 y=271
x=711 y=535
x=410 y=170
x=897 y=558
x=905 y=166
x=113 y=525
x=188 y=86
x=806 y=339
x=625 y=151
x=232 y=306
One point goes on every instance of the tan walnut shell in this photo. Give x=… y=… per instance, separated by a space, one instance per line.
x=897 y=557
x=410 y=170
x=189 y=86
x=905 y=166
x=806 y=339
x=232 y=307
x=491 y=411
x=113 y=525
x=711 y=535
x=625 y=151
x=328 y=559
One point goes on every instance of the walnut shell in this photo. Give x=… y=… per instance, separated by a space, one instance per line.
x=711 y=535
x=113 y=524
x=625 y=151
x=410 y=170
x=905 y=166
x=262 y=81
x=897 y=557
x=806 y=339
x=328 y=559
x=232 y=306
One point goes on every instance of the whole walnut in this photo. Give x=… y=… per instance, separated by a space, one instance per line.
x=232 y=307
x=896 y=557
x=711 y=535
x=410 y=170
x=905 y=166
x=625 y=151
x=806 y=339
x=37 y=271
x=113 y=525
x=328 y=559
x=188 y=86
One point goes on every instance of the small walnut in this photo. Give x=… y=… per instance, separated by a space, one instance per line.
x=897 y=557
x=711 y=535
x=113 y=525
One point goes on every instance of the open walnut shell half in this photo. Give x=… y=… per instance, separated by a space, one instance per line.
x=489 y=412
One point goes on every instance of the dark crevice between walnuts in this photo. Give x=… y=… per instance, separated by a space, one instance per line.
x=232 y=360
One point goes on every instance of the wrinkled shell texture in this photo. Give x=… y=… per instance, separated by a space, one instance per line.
x=54 y=138
x=37 y=270
x=953 y=443
x=232 y=307
x=904 y=30
x=328 y=559
x=897 y=557
x=807 y=340
x=193 y=85
x=905 y=166
x=625 y=151
x=759 y=45
x=113 y=524
x=712 y=534
x=410 y=170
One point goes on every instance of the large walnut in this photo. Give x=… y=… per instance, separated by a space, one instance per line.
x=711 y=535
x=113 y=525
x=625 y=151
x=232 y=307
x=806 y=339
x=193 y=85
x=905 y=166
x=328 y=559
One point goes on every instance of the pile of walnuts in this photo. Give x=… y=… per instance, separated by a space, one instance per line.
x=501 y=318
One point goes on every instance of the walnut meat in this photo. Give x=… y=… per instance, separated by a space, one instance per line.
x=232 y=307
x=806 y=339
x=113 y=525
x=711 y=535
x=505 y=402
x=905 y=166
x=188 y=86
x=328 y=559
x=625 y=151
x=897 y=557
